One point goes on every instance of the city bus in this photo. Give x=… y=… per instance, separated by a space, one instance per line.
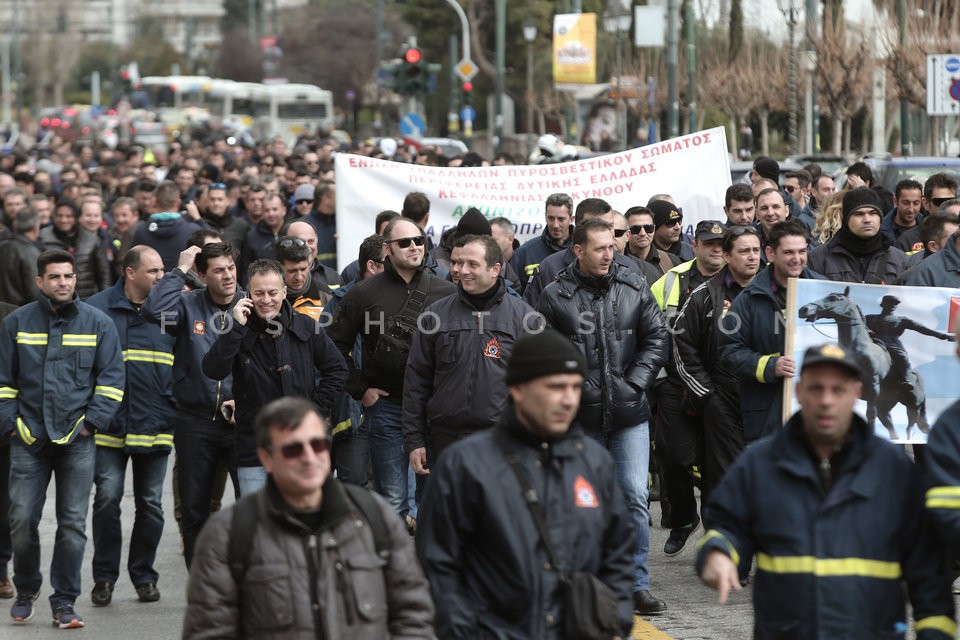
x=290 y=109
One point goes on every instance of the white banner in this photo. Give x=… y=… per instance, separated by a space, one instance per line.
x=694 y=169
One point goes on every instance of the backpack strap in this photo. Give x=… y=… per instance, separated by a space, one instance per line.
x=370 y=510
x=243 y=526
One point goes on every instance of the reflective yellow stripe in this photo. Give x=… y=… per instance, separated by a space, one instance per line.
x=143 y=440
x=823 y=567
x=65 y=439
x=530 y=268
x=31 y=338
x=762 y=364
x=8 y=393
x=695 y=471
x=326 y=256
x=24 y=432
x=105 y=440
x=79 y=340
x=341 y=426
x=943 y=624
x=937 y=497
x=110 y=392
x=713 y=534
x=143 y=355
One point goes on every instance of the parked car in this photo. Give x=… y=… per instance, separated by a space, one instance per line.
x=888 y=170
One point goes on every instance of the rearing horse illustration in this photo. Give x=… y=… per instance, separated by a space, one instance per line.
x=883 y=388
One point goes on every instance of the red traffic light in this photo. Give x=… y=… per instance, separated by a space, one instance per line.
x=412 y=55
x=468 y=86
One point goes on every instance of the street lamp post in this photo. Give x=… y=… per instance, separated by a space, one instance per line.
x=530 y=35
x=617 y=20
x=790 y=10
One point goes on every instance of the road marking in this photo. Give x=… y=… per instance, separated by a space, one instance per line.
x=643 y=630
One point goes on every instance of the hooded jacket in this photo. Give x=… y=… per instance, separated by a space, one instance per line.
x=167 y=233
x=616 y=323
x=61 y=370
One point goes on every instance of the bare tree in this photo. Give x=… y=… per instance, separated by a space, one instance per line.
x=845 y=68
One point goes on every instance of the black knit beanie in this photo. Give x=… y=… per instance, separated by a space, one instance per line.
x=543 y=354
x=768 y=168
x=473 y=222
x=857 y=199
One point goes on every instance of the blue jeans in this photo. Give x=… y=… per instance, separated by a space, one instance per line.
x=251 y=479
x=630 y=449
x=390 y=462
x=30 y=474
x=149 y=471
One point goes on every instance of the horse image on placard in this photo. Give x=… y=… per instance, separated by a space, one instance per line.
x=887 y=376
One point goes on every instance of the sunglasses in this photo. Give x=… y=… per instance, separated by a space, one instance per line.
x=740 y=229
x=618 y=233
x=293 y=450
x=287 y=243
x=635 y=229
x=790 y=188
x=304 y=201
x=219 y=186
x=674 y=223
x=937 y=202
x=403 y=243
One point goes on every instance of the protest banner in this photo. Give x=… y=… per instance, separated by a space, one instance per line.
x=693 y=168
x=901 y=337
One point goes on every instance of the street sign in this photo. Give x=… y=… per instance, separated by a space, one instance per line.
x=412 y=125
x=468 y=113
x=466 y=70
x=943 y=84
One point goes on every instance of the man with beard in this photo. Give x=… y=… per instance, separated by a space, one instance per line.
x=385 y=311
x=859 y=252
x=467 y=350
x=640 y=246
x=668 y=229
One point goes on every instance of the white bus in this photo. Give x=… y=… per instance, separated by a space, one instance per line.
x=231 y=104
x=175 y=92
x=288 y=110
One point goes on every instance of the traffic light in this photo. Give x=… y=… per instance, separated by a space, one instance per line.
x=414 y=78
x=467 y=92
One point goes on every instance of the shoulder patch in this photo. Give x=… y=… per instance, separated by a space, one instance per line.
x=583 y=494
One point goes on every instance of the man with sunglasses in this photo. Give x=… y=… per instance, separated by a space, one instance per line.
x=384 y=311
x=668 y=229
x=640 y=247
x=711 y=391
x=937 y=190
x=320 y=559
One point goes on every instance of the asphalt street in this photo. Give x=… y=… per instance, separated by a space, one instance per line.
x=693 y=612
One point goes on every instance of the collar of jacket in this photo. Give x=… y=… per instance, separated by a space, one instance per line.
x=67 y=310
x=552 y=244
x=793 y=453
x=256 y=324
x=562 y=446
x=951 y=257
x=118 y=297
x=501 y=290
x=392 y=274
x=572 y=279
x=333 y=507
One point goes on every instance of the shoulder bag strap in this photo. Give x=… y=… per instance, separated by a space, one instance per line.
x=529 y=496
x=417 y=299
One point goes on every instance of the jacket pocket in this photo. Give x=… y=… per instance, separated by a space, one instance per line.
x=84 y=367
x=268 y=599
x=365 y=574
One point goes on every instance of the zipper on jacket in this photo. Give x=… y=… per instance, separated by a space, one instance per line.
x=216 y=403
x=313 y=575
x=826 y=475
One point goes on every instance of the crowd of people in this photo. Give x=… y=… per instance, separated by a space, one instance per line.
x=507 y=403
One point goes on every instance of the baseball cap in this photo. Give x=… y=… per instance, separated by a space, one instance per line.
x=708 y=230
x=831 y=353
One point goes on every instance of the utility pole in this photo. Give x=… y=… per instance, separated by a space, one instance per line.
x=904 y=105
x=673 y=100
x=691 y=68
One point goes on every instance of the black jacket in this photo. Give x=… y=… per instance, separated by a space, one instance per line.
x=366 y=310
x=482 y=552
x=18 y=268
x=616 y=323
x=93 y=268
x=695 y=339
x=839 y=264
x=233 y=229
x=289 y=356
x=548 y=270
x=455 y=376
